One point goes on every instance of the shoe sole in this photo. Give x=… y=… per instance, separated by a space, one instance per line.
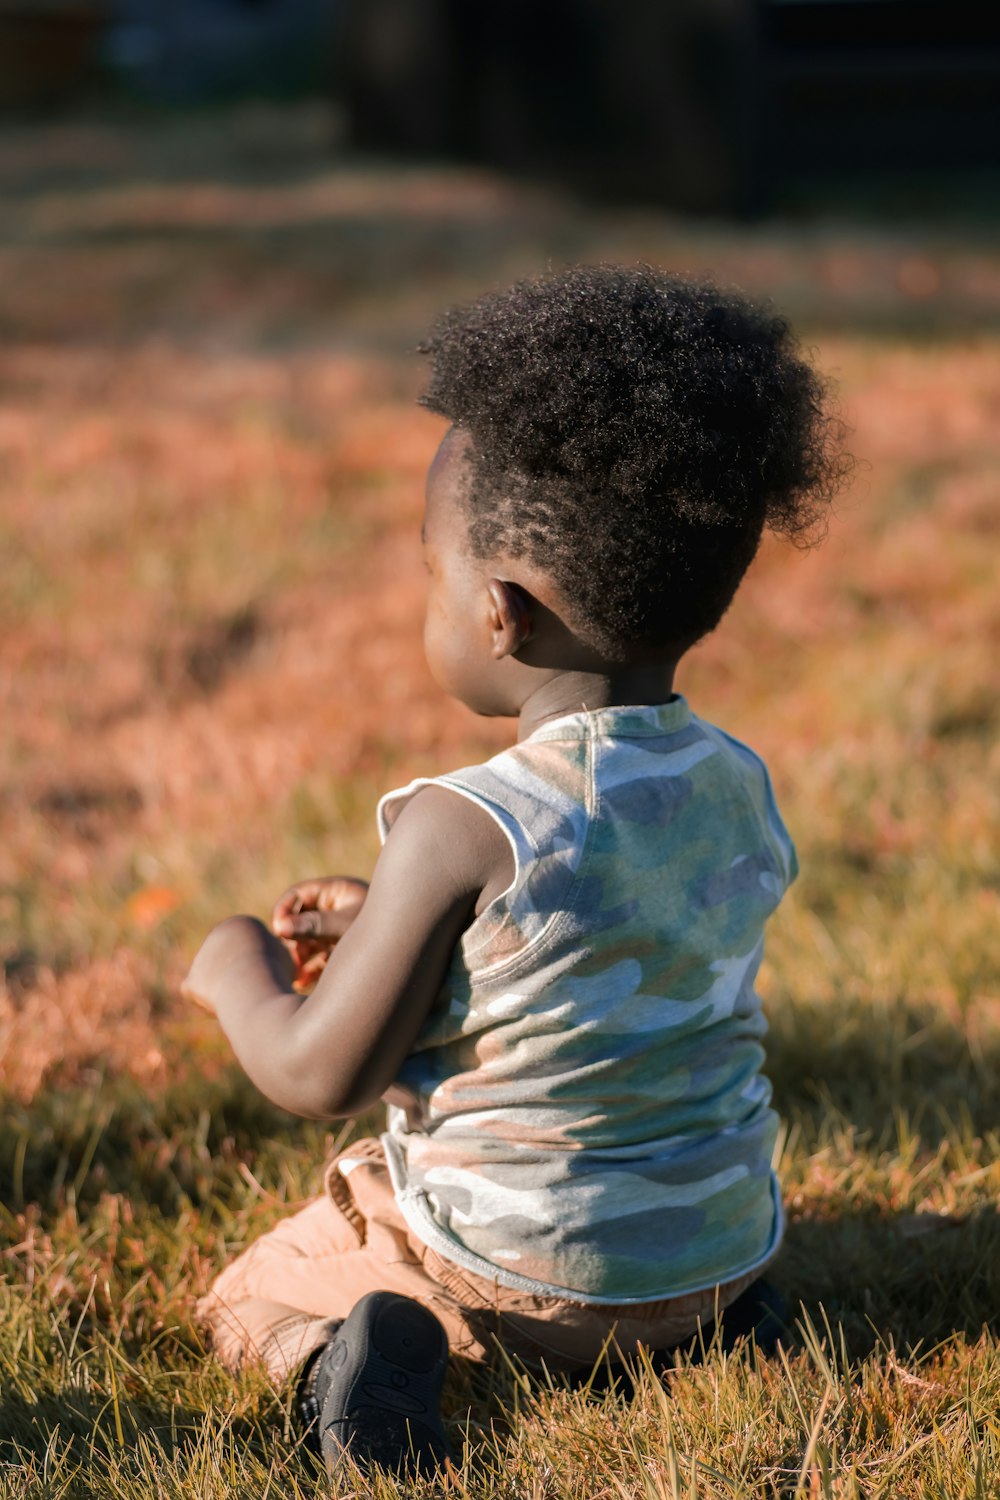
x=383 y=1375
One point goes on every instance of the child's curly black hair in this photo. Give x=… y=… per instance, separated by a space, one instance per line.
x=633 y=432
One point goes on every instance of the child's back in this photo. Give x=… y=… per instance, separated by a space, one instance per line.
x=588 y=1111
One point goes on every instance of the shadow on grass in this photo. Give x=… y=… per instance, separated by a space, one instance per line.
x=75 y=1437
x=870 y=1069
x=180 y=1149
x=906 y=1282
x=901 y=1100
x=912 y=1279
x=27 y=1425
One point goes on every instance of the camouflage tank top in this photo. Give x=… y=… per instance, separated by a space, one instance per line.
x=588 y=1115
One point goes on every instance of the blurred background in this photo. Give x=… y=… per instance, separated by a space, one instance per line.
x=224 y=227
x=704 y=104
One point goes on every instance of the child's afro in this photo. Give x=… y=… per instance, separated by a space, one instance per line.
x=632 y=433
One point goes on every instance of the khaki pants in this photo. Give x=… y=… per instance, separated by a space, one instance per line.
x=283 y=1297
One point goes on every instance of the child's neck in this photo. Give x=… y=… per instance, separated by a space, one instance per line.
x=573 y=691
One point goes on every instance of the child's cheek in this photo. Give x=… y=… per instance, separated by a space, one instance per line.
x=434 y=643
x=451 y=657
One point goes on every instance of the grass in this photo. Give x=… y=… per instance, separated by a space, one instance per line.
x=210 y=667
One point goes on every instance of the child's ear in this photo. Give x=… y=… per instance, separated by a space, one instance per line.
x=509 y=617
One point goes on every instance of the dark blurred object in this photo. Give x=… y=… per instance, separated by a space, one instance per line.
x=48 y=49
x=192 y=51
x=496 y=78
x=706 y=104
x=893 y=83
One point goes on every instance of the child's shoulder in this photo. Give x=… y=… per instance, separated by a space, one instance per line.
x=743 y=758
x=523 y=788
x=455 y=832
x=749 y=770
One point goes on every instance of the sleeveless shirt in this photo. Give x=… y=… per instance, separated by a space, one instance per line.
x=588 y=1118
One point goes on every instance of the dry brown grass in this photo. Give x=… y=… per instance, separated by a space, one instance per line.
x=210 y=666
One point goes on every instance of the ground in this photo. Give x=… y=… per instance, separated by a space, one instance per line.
x=210 y=487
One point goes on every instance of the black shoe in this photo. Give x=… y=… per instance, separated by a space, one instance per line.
x=374 y=1390
x=310 y=1393
x=761 y=1311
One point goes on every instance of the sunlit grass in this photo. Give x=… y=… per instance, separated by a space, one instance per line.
x=210 y=668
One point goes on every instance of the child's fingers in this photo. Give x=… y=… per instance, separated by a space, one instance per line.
x=305 y=894
x=322 y=926
x=309 y=960
x=330 y=893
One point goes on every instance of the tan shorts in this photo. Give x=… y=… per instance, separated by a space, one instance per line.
x=282 y=1297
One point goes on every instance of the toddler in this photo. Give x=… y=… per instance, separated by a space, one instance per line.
x=550 y=979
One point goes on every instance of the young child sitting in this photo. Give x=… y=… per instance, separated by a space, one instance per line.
x=550 y=979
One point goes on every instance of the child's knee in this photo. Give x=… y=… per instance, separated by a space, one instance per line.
x=281 y=1266
x=255 y=1331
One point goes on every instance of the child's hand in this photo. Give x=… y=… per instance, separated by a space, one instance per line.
x=312 y=916
x=224 y=956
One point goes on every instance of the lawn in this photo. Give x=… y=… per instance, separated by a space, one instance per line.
x=210 y=489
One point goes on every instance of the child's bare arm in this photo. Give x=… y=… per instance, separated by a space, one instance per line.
x=336 y=1051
